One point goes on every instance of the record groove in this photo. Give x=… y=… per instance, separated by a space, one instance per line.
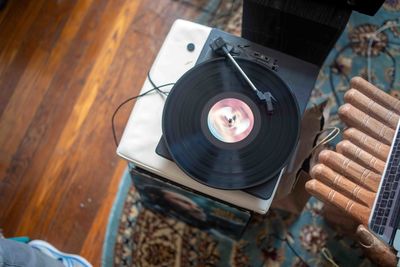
x=257 y=158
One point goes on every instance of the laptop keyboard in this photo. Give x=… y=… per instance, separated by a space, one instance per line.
x=387 y=198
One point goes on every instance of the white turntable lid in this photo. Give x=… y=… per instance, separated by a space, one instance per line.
x=143 y=130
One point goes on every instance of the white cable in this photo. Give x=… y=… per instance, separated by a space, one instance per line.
x=371 y=39
x=334 y=131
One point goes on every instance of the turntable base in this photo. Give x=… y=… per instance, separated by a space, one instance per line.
x=143 y=131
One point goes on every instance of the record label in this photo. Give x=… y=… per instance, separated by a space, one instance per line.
x=230 y=120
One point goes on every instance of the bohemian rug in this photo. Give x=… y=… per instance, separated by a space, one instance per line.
x=139 y=237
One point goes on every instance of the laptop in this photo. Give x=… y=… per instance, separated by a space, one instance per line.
x=384 y=220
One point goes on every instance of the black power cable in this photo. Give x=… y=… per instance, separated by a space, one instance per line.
x=154 y=89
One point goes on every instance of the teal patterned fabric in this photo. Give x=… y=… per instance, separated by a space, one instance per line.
x=307 y=234
x=140 y=237
x=349 y=57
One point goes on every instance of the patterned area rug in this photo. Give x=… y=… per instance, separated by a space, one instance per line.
x=145 y=238
x=369 y=47
x=138 y=237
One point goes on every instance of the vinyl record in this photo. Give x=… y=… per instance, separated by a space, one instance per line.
x=219 y=132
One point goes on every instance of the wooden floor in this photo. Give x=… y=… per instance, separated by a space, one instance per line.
x=64 y=67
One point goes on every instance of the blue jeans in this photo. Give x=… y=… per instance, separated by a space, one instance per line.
x=16 y=254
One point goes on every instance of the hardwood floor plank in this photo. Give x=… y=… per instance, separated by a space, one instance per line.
x=34 y=70
x=34 y=154
x=93 y=243
x=48 y=185
x=4 y=12
x=18 y=18
x=75 y=63
x=37 y=75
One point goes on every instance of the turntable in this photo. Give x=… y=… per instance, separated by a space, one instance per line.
x=213 y=144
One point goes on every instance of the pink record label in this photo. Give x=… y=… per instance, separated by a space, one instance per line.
x=230 y=120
